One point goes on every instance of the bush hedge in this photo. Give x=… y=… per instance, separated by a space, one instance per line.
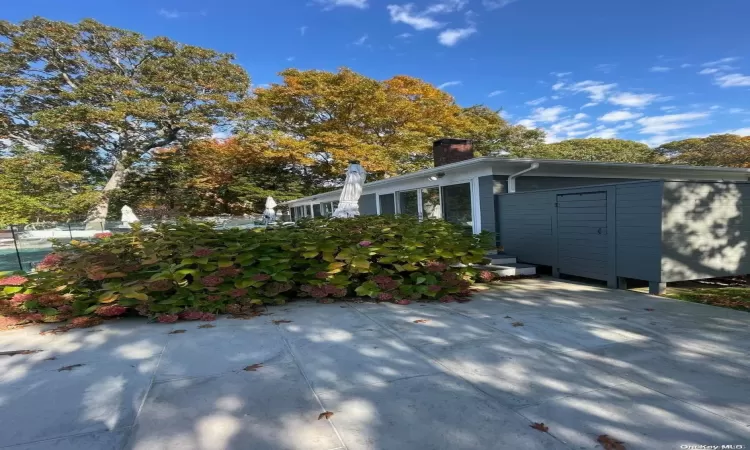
x=192 y=270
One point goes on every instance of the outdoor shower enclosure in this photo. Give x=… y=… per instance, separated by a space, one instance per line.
x=658 y=231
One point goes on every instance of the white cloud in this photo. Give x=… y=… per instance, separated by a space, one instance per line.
x=537 y=101
x=496 y=4
x=590 y=104
x=290 y=58
x=685 y=66
x=740 y=131
x=452 y=36
x=449 y=84
x=625 y=126
x=736 y=110
x=424 y=20
x=596 y=90
x=580 y=116
x=171 y=13
x=329 y=4
x=632 y=100
x=668 y=108
x=619 y=116
x=561 y=74
x=528 y=123
x=714 y=107
x=720 y=61
x=302 y=30
x=708 y=71
x=404 y=35
x=557 y=86
x=605 y=133
x=606 y=68
x=361 y=40
x=551 y=114
x=495 y=93
x=733 y=80
x=445 y=6
x=662 y=124
x=659 y=69
x=405 y=14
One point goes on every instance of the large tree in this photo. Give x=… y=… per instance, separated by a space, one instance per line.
x=92 y=88
x=594 y=149
x=717 y=150
x=388 y=125
x=35 y=186
x=214 y=176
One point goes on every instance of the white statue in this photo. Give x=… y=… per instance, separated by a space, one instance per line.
x=352 y=190
x=128 y=216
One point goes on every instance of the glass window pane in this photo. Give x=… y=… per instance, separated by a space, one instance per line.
x=308 y=211
x=316 y=210
x=387 y=204
x=407 y=202
x=457 y=204
x=431 y=203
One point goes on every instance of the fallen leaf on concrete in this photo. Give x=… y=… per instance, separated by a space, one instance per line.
x=508 y=317
x=649 y=309
x=177 y=332
x=463 y=300
x=208 y=325
x=69 y=368
x=540 y=426
x=276 y=322
x=51 y=358
x=609 y=443
x=326 y=415
x=421 y=321
x=517 y=324
x=19 y=352
x=253 y=368
x=623 y=318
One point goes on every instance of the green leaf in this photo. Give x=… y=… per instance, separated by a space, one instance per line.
x=12 y=289
x=310 y=254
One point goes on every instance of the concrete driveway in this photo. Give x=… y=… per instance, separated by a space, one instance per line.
x=651 y=372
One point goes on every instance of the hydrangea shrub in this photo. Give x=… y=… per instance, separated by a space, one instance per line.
x=191 y=271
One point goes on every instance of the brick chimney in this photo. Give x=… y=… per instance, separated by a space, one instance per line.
x=447 y=151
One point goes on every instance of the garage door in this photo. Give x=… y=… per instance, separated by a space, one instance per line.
x=582 y=234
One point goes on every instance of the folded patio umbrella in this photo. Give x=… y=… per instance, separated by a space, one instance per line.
x=269 y=214
x=349 y=200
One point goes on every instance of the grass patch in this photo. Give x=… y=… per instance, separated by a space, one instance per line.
x=726 y=297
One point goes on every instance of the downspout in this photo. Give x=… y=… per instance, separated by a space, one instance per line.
x=512 y=178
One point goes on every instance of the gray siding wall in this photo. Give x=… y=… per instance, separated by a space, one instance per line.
x=531 y=183
x=526 y=223
x=368 y=205
x=638 y=230
x=705 y=230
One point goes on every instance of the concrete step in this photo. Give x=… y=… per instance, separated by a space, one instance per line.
x=511 y=270
x=501 y=260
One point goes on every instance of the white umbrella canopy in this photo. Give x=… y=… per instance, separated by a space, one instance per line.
x=353 y=185
x=269 y=214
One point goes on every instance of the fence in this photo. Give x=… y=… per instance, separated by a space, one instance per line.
x=22 y=247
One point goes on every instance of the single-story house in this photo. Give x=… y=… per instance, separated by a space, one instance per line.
x=492 y=194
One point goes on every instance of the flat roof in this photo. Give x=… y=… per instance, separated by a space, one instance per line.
x=526 y=161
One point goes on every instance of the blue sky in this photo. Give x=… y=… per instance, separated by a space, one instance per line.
x=648 y=70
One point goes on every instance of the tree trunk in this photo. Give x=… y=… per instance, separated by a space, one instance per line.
x=98 y=213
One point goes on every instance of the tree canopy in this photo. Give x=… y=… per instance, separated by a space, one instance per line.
x=716 y=150
x=88 y=87
x=388 y=125
x=34 y=186
x=594 y=149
